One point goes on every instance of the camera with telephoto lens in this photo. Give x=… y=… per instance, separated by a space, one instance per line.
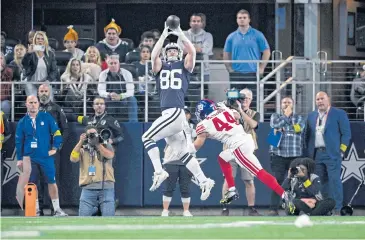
x=92 y=139
x=232 y=96
x=295 y=170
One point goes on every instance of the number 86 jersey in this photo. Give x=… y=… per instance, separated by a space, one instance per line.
x=172 y=84
x=221 y=125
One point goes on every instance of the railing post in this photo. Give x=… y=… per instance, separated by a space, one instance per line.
x=293 y=86
x=146 y=93
x=260 y=94
x=202 y=80
x=12 y=102
x=84 y=103
x=278 y=77
x=314 y=86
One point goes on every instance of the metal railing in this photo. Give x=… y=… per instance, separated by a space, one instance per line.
x=294 y=76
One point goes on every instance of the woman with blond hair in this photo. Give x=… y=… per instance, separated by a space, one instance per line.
x=92 y=64
x=16 y=65
x=75 y=83
x=39 y=64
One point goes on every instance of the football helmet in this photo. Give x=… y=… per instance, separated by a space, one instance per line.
x=172 y=58
x=204 y=108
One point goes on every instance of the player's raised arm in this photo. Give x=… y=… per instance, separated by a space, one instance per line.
x=189 y=63
x=156 y=52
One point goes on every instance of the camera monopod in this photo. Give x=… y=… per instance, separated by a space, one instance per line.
x=348 y=210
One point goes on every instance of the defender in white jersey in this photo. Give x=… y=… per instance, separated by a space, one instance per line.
x=173 y=76
x=220 y=123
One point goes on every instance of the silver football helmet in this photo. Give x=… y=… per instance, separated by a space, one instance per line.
x=172 y=58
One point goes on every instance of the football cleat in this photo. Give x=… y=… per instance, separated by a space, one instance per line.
x=229 y=197
x=206 y=187
x=158 y=178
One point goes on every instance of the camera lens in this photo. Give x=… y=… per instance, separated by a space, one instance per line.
x=29 y=189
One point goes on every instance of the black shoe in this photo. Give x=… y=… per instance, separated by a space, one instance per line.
x=40 y=213
x=253 y=212
x=225 y=212
x=229 y=197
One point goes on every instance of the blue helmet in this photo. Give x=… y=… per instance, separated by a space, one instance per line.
x=204 y=108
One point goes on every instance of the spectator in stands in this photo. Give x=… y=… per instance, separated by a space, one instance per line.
x=31 y=35
x=145 y=55
x=112 y=43
x=250 y=122
x=7 y=50
x=246 y=43
x=70 y=42
x=156 y=33
x=358 y=94
x=39 y=64
x=204 y=19
x=327 y=136
x=16 y=64
x=202 y=40
x=291 y=126
x=148 y=39
x=96 y=174
x=93 y=64
x=120 y=95
x=75 y=84
x=5 y=89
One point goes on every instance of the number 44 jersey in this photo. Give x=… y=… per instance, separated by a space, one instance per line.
x=172 y=84
x=221 y=125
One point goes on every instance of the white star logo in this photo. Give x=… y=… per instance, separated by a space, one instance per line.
x=352 y=166
x=12 y=170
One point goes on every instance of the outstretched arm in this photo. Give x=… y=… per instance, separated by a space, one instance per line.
x=156 y=52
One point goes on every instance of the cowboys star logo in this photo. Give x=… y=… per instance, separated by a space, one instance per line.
x=12 y=170
x=353 y=166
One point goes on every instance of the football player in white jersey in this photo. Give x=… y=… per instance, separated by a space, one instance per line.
x=220 y=123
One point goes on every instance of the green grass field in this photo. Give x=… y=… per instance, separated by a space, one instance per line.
x=181 y=228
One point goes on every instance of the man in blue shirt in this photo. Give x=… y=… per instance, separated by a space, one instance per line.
x=34 y=134
x=246 y=44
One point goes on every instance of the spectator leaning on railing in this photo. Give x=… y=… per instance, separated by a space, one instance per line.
x=121 y=94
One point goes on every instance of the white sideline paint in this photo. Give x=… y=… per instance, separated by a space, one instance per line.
x=122 y=227
x=9 y=234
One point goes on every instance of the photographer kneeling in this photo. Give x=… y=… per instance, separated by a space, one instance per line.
x=96 y=172
x=304 y=187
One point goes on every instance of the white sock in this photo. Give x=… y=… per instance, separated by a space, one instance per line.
x=37 y=205
x=194 y=168
x=56 y=204
x=154 y=154
x=232 y=189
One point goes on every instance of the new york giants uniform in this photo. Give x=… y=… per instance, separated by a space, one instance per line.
x=172 y=84
x=221 y=125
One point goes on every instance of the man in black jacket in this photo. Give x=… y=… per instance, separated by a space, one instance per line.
x=46 y=105
x=101 y=120
x=304 y=187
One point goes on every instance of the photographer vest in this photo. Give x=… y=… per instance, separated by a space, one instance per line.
x=115 y=87
x=248 y=129
x=95 y=182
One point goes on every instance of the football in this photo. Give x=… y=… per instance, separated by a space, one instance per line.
x=173 y=22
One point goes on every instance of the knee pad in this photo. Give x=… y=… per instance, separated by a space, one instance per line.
x=166 y=198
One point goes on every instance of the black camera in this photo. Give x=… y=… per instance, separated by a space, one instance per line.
x=232 y=96
x=294 y=171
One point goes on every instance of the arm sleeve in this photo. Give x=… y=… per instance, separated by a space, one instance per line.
x=207 y=47
x=53 y=72
x=55 y=131
x=277 y=121
x=262 y=42
x=345 y=131
x=129 y=84
x=117 y=132
x=102 y=85
x=19 y=140
x=228 y=44
x=313 y=188
x=63 y=124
